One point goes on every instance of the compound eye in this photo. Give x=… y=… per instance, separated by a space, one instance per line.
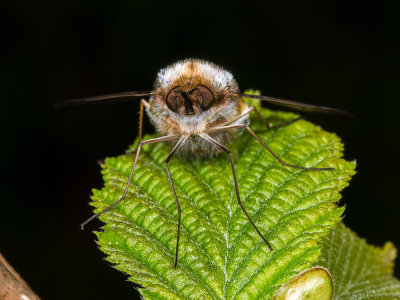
x=207 y=97
x=174 y=97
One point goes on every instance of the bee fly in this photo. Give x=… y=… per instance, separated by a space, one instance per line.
x=198 y=106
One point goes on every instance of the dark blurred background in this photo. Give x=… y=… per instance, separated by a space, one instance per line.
x=335 y=53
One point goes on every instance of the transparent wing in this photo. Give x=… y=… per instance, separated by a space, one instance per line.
x=110 y=98
x=298 y=105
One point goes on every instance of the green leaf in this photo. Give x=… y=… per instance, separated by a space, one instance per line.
x=220 y=255
x=359 y=270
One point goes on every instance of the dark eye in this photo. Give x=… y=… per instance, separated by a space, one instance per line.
x=206 y=96
x=173 y=99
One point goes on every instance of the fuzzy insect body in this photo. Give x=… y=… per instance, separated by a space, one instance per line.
x=223 y=105
x=197 y=107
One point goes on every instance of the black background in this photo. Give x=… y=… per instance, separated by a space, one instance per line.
x=336 y=53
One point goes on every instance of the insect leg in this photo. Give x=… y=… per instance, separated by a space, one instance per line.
x=222 y=128
x=142 y=104
x=150 y=141
x=280 y=160
x=269 y=126
x=261 y=118
x=238 y=117
x=178 y=144
x=284 y=124
x=210 y=139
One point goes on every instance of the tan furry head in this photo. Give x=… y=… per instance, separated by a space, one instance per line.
x=192 y=96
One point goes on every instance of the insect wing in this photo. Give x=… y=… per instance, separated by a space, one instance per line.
x=298 y=105
x=109 y=98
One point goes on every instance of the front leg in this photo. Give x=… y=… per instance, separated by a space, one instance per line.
x=141 y=144
x=280 y=160
x=143 y=103
x=222 y=128
x=222 y=147
x=178 y=144
x=261 y=118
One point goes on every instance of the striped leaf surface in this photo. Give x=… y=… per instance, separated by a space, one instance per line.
x=359 y=271
x=221 y=256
